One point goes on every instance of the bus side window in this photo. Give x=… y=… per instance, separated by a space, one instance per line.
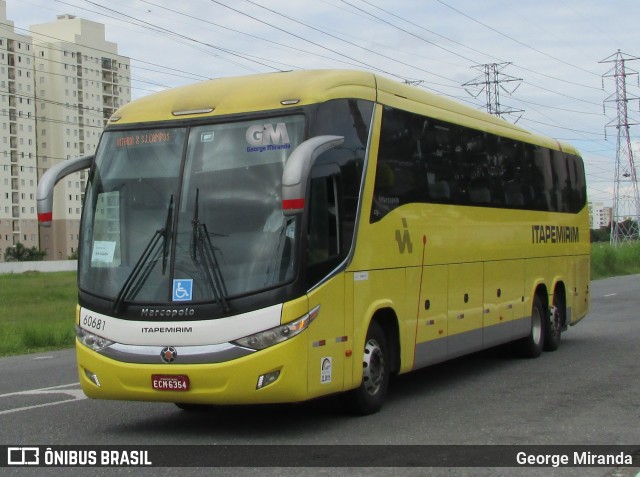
x=578 y=186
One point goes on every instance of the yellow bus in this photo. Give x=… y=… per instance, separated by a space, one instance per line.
x=280 y=237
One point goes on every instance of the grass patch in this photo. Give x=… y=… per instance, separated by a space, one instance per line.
x=37 y=311
x=607 y=261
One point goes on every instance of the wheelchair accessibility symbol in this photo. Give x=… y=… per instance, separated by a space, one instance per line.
x=182 y=290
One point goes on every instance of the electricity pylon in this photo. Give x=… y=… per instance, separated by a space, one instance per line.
x=626 y=204
x=491 y=82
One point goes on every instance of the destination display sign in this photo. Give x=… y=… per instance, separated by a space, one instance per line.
x=144 y=138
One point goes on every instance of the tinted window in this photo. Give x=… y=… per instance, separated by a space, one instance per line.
x=426 y=160
x=351 y=119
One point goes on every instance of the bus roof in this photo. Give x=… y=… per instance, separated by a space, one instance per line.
x=273 y=91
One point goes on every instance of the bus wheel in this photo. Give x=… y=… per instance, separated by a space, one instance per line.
x=369 y=396
x=531 y=346
x=553 y=328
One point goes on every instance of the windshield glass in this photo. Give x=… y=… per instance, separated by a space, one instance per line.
x=189 y=214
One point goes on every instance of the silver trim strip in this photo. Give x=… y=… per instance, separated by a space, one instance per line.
x=205 y=354
x=449 y=347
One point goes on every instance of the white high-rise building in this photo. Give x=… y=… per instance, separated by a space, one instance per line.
x=62 y=83
x=18 y=148
x=599 y=215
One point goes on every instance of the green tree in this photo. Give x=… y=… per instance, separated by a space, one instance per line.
x=19 y=253
x=603 y=234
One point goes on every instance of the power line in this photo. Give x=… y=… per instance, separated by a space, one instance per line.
x=372 y=67
x=263 y=39
x=561 y=127
x=402 y=29
x=514 y=39
x=362 y=63
x=516 y=65
x=153 y=27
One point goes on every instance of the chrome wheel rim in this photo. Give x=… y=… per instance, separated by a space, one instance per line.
x=536 y=326
x=372 y=367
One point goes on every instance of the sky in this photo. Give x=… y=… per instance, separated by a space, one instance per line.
x=551 y=51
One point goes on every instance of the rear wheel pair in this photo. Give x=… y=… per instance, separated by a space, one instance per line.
x=546 y=329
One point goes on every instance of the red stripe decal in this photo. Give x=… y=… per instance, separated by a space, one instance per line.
x=293 y=204
x=46 y=217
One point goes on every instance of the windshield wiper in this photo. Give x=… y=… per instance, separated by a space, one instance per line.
x=143 y=267
x=281 y=248
x=167 y=234
x=203 y=253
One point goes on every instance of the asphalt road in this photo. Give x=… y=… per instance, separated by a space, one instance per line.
x=586 y=393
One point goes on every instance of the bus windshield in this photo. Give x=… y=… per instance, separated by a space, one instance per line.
x=189 y=214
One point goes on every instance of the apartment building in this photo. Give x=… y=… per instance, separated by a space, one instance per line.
x=18 y=147
x=599 y=215
x=64 y=80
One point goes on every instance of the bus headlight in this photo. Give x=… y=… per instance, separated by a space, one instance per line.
x=276 y=335
x=94 y=342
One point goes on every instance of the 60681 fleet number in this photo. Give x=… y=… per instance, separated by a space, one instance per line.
x=93 y=322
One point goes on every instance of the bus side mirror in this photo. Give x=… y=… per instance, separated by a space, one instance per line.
x=296 y=171
x=44 y=194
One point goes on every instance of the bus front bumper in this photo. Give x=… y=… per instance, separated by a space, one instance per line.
x=237 y=381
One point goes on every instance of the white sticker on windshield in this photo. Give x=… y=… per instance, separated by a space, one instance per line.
x=103 y=251
x=206 y=136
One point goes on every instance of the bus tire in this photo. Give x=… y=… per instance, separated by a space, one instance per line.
x=531 y=346
x=369 y=397
x=553 y=326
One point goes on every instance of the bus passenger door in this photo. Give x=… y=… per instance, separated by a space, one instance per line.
x=465 y=309
x=326 y=334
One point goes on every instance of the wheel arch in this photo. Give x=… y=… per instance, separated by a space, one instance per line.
x=542 y=292
x=388 y=321
x=560 y=300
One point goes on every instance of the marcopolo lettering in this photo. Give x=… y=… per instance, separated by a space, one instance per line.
x=168 y=313
x=554 y=234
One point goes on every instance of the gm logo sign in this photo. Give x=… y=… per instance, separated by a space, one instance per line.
x=266 y=135
x=23 y=456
